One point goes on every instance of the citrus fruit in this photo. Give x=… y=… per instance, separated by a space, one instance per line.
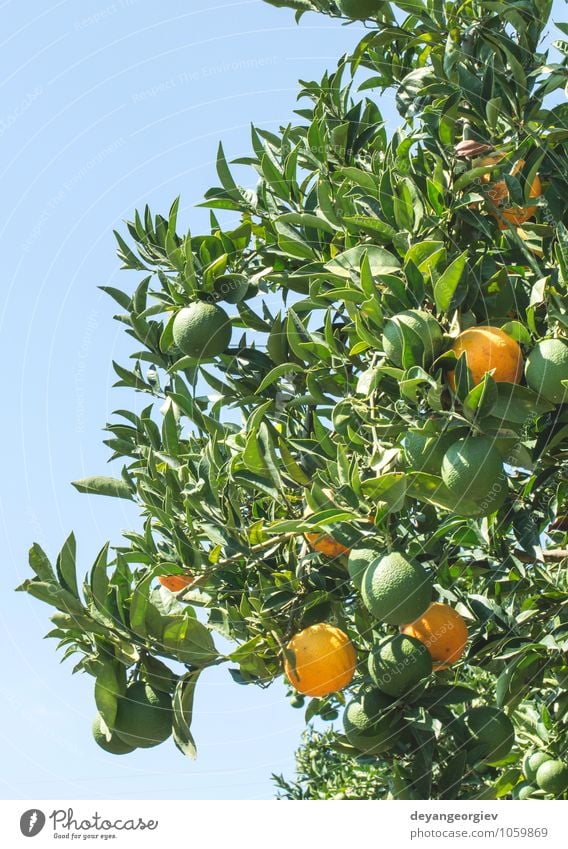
x=322 y=542
x=488 y=349
x=490 y=734
x=498 y=193
x=115 y=746
x=412 y=337
x=425 y=453
x=523 y=791
x=552 y=777
x=320 y=660
x=369 y=724
x=202 y=330
x=144 y=716
x=486 y=161
x=175 y=583
x=397 y=664
x=396 y=590
x=359 y=10
x=546 y=367
x=359 y=560
x=494 y=159
x=472 y=470
x=231 y=288
x=531 y=763
x=325 y=544
x=443 y=631
x=515 y=215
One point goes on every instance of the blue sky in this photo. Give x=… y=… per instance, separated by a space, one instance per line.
x=105 y=106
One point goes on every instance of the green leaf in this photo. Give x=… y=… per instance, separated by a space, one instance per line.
x=291 y=466
x=225 y=175
x=102 y=485
x=110 y=684
x=167 y=336
x=426 y=255
x=66 y=565
x=446 y=285
x=253 y=456
x=53 y=595
x=380 y=261
x=39 y=562
x=517 y=679
x=292 y=242
x=190 y=641
x=182 y=705
x=139 y=606
x=451 y=775
x=306 y=220
x=98 y=580
x=388 y=490
x=518 y=404
x=433 y=490
x=170 y=432
x=279 y=371
x=447 y=694
x=480 y=401
x=129 y=259
x=121 y=298
x=158 y=675
x=382 y=231
x=517 y=331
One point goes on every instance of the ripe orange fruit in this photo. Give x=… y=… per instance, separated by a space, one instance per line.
x=175 y=583
x=486 y=349
x=443 y=631
x=499 y=193
x=486 y=178
x=320 y=660
x=516 y=217
x=325 y=543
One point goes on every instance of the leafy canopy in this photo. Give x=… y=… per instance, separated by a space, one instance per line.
x=346 y=229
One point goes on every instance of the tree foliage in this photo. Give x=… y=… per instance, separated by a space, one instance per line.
x=350 y=228
x=323 y=772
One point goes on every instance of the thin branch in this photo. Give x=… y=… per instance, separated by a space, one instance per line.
x=254 y=550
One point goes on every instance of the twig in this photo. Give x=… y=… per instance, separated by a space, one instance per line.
x=255 y=549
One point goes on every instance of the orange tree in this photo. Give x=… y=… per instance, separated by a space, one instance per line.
x=357 y=414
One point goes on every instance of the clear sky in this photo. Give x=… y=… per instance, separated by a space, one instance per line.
x=106 y=105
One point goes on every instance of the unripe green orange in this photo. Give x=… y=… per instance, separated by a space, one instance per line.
x=202 y=330
x=546 y=368
x=359 y=10
x=369 y=723
x=395 y=589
